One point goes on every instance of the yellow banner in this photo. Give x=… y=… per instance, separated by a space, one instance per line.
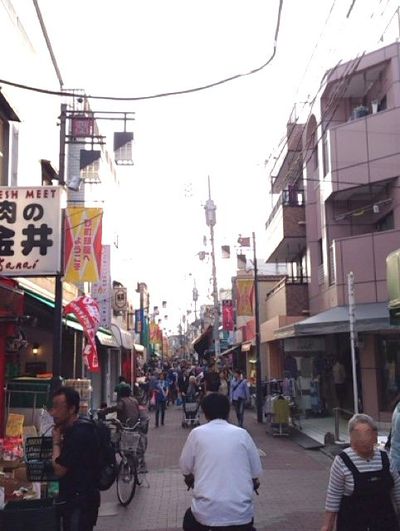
x=83 y=228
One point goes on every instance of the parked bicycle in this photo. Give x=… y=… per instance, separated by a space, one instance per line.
x=131 y=444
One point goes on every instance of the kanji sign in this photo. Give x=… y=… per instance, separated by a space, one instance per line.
x=101 y=291
x=30 y=230
x=83 y=244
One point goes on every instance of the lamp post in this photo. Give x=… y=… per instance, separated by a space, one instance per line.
x=210 y=210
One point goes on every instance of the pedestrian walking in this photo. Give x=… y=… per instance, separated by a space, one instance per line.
x=221 y=462
x=122 y=384
x=211 y=379
x=75 y=462
x=161 y=390
x=223 y=386
x=239 y=394
x=364 y=488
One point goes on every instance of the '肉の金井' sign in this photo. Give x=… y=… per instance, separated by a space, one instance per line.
x=30 y=231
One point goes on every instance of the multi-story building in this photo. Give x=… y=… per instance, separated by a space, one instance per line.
x=338 y=212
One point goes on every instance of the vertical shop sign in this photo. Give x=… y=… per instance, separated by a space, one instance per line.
x=101 y=291
x=83 y=228
x=30 y=231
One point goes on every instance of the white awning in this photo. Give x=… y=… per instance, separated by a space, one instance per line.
x=107 y=340
x=123 y=338
x=138 y=348
x=372 y=316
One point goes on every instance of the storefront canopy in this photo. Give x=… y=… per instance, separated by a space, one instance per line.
x=104 y=336
x=369 y=317
x=204 y=341
x=123 y=338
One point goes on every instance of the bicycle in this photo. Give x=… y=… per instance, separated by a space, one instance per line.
x=131 y=445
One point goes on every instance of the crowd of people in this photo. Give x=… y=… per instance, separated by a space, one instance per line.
x=363 y=493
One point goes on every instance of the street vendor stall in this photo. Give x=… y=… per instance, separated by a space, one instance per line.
x=27 y=493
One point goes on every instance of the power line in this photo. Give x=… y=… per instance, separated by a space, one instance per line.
x=161 y=94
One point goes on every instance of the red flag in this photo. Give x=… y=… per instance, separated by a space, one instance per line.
x=87 y=312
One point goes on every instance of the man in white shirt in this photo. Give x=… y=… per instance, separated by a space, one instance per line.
x=221 y=462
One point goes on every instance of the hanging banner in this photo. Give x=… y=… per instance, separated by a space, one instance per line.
x=245 y=296
x=228 y=322
x=138 y=321
x=250 y=331
x=101 y=291
x=87 y=312
x=30 y=230
x=83 y=228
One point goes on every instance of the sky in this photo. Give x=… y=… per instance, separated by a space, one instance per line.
x=131 y=48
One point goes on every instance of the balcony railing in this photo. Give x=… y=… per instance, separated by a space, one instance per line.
x=288 y=280
x=291 y=198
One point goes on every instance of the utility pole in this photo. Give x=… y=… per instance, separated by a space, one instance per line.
x=259 y=405
x=211 y=220
x=58 y=292
x=352 y=319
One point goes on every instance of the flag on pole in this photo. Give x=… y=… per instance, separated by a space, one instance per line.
x=87 y=312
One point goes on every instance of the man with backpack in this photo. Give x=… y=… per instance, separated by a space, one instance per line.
x=76 y=462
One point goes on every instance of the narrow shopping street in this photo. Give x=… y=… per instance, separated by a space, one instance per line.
x=291 y=495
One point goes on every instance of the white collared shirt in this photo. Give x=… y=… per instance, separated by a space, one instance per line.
x=223 y=459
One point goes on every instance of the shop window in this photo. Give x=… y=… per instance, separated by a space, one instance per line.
x=389 y=356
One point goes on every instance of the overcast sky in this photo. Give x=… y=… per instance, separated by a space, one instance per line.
x=136 y=47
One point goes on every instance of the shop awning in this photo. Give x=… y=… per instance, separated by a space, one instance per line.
x=369 y=317
x=203 y=342
x=105 y=337
x=138 y=348
x=123 y=338
x=231 y=349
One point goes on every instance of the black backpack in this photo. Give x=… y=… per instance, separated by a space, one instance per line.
x=106 y=462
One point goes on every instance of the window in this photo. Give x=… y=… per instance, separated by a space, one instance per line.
x=389 y=356
x=320 y=252
x=325 y=154
x=385 y=223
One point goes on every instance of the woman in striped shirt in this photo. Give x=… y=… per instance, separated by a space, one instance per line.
x=364 y=489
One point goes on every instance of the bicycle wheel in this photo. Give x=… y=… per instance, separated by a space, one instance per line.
x=126 y=481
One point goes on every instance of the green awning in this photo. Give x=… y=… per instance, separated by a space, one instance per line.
x=104 y=336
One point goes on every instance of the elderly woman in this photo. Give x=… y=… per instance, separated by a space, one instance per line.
x=362 y=484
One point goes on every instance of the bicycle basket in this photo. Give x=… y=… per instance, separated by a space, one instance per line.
x=115 y=434
x=129 y=441
x=38 y=452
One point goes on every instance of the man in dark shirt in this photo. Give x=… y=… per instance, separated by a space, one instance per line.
x=75 y=462
x=211 y=379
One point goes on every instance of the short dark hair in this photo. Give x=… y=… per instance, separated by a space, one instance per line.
x=121 y=379
x=71 y=396
x=215 y=406
x=125 y=390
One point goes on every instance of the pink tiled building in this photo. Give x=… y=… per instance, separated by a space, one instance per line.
x=337 y=210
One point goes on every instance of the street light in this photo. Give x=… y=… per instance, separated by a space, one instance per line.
x=210 y=210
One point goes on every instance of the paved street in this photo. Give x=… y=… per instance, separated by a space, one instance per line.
x=291 y=495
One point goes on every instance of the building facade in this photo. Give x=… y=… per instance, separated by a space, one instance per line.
x=336 y=189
